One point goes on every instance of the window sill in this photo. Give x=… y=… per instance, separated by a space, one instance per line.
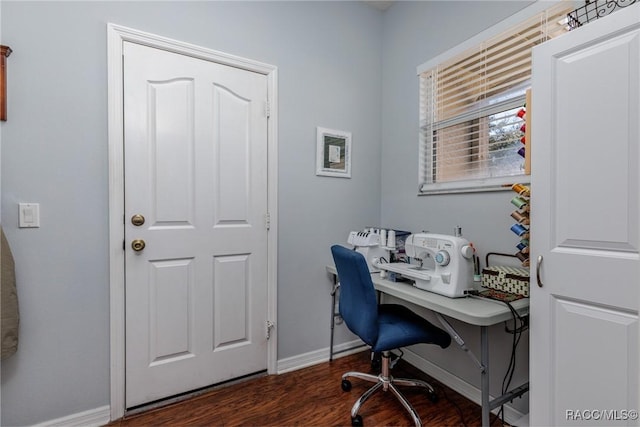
x=473 y=186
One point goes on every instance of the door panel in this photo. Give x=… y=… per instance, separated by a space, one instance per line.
x=606 y=169
x=171 y=303
x=171 y=118
x=196 y=169
x=578 y=326
x=230 y=300
x=232 y=155
x=585 y=223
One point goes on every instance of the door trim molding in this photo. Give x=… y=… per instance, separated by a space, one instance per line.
x=116 y=36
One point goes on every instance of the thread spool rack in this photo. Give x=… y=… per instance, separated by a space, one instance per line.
x=521 y=216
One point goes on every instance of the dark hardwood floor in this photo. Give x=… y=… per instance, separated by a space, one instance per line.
x=312 y=397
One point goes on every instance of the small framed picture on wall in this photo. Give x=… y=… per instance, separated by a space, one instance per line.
x=333 y=155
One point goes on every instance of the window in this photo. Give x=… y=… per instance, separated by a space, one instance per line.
x=470 y=133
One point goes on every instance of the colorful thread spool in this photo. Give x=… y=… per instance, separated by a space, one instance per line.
x=519 y=229
x=519 y=202
x=522 y=190
x=522 y=257
x=520 y=217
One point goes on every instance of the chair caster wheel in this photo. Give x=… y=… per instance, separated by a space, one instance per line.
x=356 y=421
x=433 y=397
x=346 y=385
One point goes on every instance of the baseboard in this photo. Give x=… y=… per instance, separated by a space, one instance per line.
x=319 y=356
x=469 y=391
x=91 y=418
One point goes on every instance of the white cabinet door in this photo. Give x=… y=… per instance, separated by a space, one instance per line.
x=585 y=225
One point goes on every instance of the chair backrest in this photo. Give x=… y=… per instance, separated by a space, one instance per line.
x=358 y=301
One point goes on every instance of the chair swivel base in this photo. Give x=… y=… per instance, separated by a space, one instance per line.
x=386 y=382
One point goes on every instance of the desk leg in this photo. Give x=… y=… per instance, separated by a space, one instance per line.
x=484 y=379
x=333 y=315
x=483 y=364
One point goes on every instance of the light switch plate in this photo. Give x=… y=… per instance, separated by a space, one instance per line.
x=29 y=215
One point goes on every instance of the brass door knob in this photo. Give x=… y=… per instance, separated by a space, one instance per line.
x=138 y=245
x=137 y=220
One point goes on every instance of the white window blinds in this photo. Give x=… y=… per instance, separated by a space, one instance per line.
x=469 y=132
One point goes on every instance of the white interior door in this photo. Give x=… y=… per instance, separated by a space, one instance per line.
x=585 y=225
x=196 y=169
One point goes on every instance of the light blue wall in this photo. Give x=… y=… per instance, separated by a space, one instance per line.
x=55 y=152
x=341 y=65
x=413 y=33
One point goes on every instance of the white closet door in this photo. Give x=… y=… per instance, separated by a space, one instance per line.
x=585 y=225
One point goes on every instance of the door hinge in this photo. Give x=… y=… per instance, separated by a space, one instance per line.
x=267 y=108
x=270 y=325
x=267 y=221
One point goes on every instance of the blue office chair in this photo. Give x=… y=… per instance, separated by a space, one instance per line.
x=384 y=327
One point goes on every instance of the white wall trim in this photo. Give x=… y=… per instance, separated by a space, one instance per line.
x=116 y=36
x=457 y=384
x=91 y=418
x=319 y=356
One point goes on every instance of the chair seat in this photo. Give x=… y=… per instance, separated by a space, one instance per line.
x=401 y=327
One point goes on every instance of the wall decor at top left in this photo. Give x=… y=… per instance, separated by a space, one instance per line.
x=5 y=51
x=333 y=153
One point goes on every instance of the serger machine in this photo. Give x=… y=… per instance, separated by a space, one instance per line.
x=452 y=257
x=368 y=244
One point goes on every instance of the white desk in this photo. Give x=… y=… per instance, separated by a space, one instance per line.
x=475 y=311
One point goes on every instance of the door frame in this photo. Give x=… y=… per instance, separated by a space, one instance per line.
x=116 y=36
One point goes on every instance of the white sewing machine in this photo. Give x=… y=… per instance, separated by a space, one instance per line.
x=452 y=257
x=368 y=244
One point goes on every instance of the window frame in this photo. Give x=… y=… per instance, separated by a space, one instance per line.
x=425 y=144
